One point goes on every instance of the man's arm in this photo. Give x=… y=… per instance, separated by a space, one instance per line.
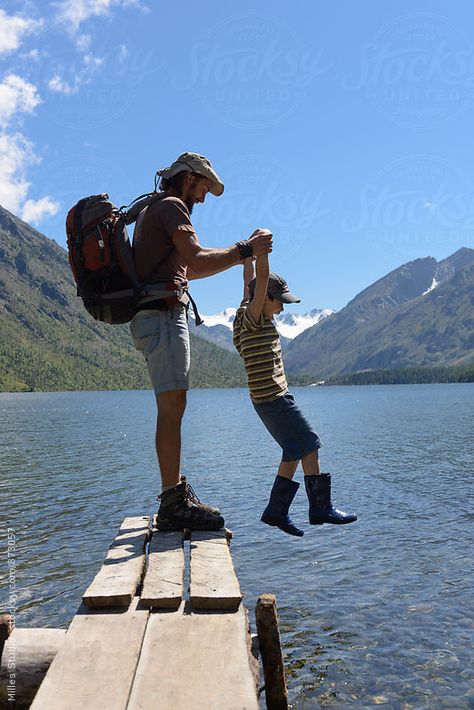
x=204 y=261
x=193 y=275
x=261 y=284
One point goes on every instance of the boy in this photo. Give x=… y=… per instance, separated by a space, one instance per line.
x=257 y=341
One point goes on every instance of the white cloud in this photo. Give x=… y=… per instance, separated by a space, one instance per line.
x=91 y=61
x=12 y=30
x=16 y=154
x=60 y=86
x=83 y=42
x=33 y=54
x=80 y=75
x=35 y=210
x=122 y=53
x=73 y=13
x=16 y=96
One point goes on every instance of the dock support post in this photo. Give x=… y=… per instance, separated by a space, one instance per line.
x=276 y=692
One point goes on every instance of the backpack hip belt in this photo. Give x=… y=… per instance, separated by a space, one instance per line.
x=169 y=298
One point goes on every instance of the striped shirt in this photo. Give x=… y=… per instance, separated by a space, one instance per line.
x=258 y=343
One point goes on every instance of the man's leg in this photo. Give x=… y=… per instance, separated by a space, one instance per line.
x=179 y=506
x=171 y=406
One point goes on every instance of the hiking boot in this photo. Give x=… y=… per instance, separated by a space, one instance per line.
x=193 y=497
x=180 y=508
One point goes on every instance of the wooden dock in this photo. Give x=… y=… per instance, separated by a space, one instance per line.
x=162 y=625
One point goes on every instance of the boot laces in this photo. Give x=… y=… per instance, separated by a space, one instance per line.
x=191 y=494
x=188 y=489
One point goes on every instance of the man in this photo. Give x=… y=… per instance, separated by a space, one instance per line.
x=168 y=252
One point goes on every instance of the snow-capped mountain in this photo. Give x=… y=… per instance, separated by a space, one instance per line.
x=290 y=324
x=217 y=328
x=225 y=317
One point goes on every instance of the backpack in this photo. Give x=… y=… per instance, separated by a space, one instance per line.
x=101 y=257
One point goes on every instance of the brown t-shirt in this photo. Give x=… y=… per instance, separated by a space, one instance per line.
x=156 y=258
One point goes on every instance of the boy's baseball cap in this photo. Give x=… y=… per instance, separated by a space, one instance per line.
x=197 y=164
x=277 y=288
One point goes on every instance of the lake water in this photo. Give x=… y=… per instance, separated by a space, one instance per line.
x=379 y=612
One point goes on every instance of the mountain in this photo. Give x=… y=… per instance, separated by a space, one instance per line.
x=217 y=328
x=290 y=325
x=49 y=342
x=420 y=314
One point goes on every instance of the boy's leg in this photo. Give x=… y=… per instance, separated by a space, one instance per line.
x=287 y=469
x=310 y=464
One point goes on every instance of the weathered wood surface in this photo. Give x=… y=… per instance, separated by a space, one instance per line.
x=214 y=584
x=276 y=693
x=195 y=661
x=163 y=583
x=194 y=654
x=33 y=651
x=95 y=667
x=117 y=580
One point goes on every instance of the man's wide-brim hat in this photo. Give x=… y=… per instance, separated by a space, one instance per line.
x=193 y=162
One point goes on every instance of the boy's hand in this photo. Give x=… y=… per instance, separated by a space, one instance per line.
x=261 y=241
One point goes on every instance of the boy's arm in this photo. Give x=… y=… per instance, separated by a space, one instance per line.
x=261 y=284
x=248 y=273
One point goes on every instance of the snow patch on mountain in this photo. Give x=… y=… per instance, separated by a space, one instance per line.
x=225 y=317
x=288 y=324
x=434 y=283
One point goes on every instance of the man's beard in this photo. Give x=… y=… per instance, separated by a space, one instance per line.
x=189 y=202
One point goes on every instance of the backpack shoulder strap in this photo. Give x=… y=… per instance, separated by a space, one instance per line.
x=131 y=211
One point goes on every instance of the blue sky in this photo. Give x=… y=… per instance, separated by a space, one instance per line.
x=344 y=127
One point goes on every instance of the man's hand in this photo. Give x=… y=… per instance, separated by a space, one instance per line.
x=261 y=241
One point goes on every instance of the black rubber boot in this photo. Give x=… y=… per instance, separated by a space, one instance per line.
x=180 y=508
x=321 y=510
x=276 y=512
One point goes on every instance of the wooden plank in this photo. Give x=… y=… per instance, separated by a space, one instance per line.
x=195 y=660
x=163 y=583
x=96 y=664
x=276 y=693
x=214 y=584
x=117 y=580
x=33 y=651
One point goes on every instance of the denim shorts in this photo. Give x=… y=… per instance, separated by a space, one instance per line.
x=163 y=338
x=288 y=426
